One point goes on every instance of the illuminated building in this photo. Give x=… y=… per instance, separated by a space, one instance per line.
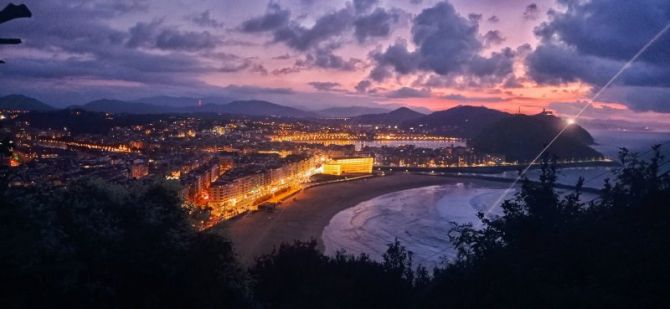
x=200 y=179
x=237 y=194
x=339 y=166
x=138 y=169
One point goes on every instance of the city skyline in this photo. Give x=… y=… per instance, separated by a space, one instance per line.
x=427 y=54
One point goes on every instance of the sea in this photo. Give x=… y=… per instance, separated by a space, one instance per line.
x=422 y=218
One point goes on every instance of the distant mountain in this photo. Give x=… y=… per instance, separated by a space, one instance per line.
x=522 y=137
x=79 y=121
x=183 y=101
x=460 y=121
x=250 y=108
x=21 y=102
x=122 y=107
x=394 y=117
x=264 y=108
x=350 y=111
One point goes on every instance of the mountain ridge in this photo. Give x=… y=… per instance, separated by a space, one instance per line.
x=22 y=102
x=394 y=117
x=461 y=121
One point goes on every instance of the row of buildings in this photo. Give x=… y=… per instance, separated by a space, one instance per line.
x=197 y=183
x=244 y=188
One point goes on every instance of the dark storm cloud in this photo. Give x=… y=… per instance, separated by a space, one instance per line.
x=173 y=39
x=493 y=38
x=446 y=44
x=156 y=35
x=231 y=63
x=324 y=57
x=407 y=92
x=126 y=6
x=398 y=57
x=130 y=66
x=498 y=64
x=274 y=18
x=590 y=41
x=493 y=19
x=363 y=6
x=614 y=29
x=555 y=64
x=91 y=50
x=380 y=73
x=327 y=60
x=532 y=12
x=464 y=99
x=244 y=65
x=363 y=86
x=243 y=91
x=286 y=70
x=277 y=21
x=205 y=19
x=446 y=41
x=327 y=27
x=377 y=24
x=325 y=86
x=475 y=17
x=649 y=99
x=307 y=3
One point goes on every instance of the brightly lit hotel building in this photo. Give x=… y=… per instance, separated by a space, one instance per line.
x=234 y=195
x=357 y=165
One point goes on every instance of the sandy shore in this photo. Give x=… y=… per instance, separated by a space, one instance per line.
x=304 y=216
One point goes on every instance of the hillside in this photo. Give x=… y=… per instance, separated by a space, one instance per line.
x=394 y=117
x=183 y=101
x=460 y=121
x=522 y=137
x=122 y=107
x=350 y=111
x=21 y=102
x=79 y=121
x=264 y=108
x=251 y=108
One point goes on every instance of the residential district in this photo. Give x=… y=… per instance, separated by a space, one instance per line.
x=228 y=165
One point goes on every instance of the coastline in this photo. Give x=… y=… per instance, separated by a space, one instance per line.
x=307 y=213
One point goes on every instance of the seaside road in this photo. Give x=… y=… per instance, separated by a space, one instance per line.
x=304 y=216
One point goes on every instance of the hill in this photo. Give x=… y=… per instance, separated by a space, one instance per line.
x=522 y=137
x=79 y=121
x=396 y=116
x=460 y=121
x=264 y=108
x=21 y=102
x=183 y=101
x=250 y=108
x=350 y=111
x=122 y=107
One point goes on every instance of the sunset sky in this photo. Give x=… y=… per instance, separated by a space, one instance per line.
x=503 y=54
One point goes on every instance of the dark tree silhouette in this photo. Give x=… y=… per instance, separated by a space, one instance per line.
x=299 y=276
x=94 y=244
x=547 y=251
x=99 y=245
x=11 y=12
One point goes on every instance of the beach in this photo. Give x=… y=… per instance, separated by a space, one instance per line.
x=304 y=216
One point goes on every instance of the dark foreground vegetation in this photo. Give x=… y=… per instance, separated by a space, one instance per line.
x=97 y=245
